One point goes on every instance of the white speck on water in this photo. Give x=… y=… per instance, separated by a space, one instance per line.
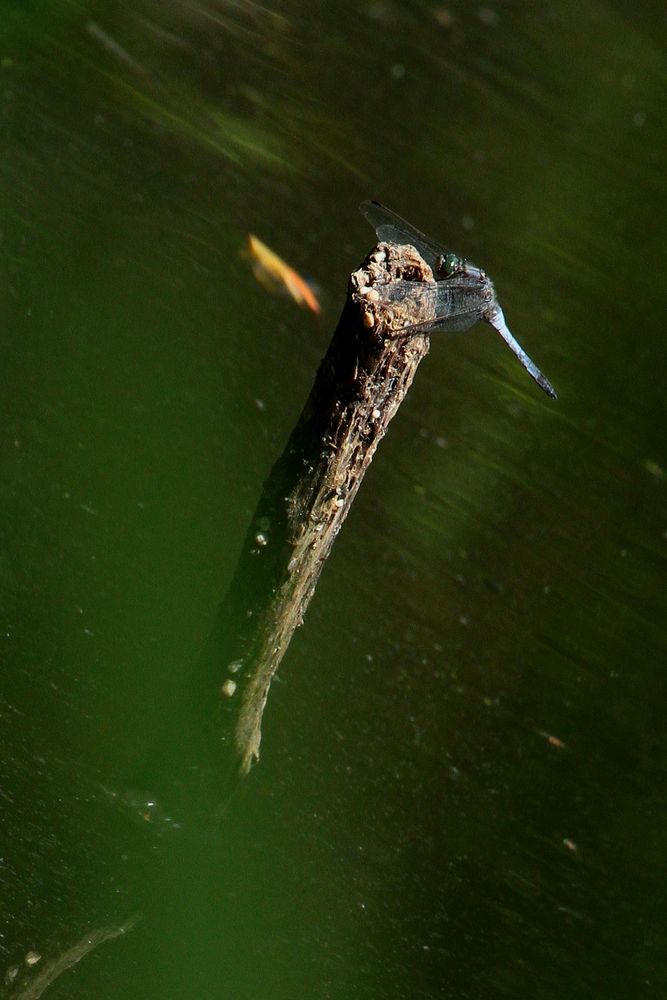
x=398 y=71
x=228 y=688
x=468 y=222
x=261 y=539
x=655 y=469
x=32 y=958
x=259 y=403
x=235 y=666
x=488 y=17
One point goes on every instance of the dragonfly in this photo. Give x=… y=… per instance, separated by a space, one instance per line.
x=461 y=295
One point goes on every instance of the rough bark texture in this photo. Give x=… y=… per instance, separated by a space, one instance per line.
x=361 y=382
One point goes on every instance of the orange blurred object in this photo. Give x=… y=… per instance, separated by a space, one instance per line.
x=271 y=271
x=552 y=740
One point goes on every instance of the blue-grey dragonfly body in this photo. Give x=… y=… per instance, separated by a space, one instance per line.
x=462 y=294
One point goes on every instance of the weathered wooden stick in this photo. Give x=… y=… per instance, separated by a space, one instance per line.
x=361 y=382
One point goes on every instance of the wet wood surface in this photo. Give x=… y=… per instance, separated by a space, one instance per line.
x=359 y=387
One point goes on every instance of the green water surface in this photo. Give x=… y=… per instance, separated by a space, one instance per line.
x=462 y=787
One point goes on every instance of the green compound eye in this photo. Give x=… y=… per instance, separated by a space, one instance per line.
x=449 y=264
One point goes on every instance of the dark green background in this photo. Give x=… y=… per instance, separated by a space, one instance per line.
x=462 y=788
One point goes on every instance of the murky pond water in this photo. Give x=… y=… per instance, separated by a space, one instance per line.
x=463 y=769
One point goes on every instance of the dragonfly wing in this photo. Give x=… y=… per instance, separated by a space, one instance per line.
x=391 y=228
x=451 y=305
x=446 y=324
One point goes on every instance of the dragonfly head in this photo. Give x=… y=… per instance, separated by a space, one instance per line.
x=449 y=264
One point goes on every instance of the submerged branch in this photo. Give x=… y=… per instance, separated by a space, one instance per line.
x=35 y=987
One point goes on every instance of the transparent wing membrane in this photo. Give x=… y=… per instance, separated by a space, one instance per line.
x=391 y=228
